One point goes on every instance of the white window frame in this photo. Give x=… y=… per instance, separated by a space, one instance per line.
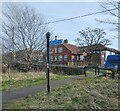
x=52 y=58
x=55 y=50
x=60 y=58
x=60 y=49
x=81 y=57
x=65 y=57
x=55 y=58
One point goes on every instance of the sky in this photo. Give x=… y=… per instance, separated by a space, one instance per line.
x=52 y=11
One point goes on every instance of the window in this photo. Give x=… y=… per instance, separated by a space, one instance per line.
x=55 y=58
x=51 y=51
x=60 y=49
x=36 y=59
x=55 y=50
x=51 y=58
x=60 y=57
x=41 y=58
x=78 y=57
x=65 y=57
x=81 y=57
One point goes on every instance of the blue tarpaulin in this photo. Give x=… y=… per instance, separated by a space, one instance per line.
x=113 y=61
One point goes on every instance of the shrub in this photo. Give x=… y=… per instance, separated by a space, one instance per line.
x=67 y=70
x=20 y=67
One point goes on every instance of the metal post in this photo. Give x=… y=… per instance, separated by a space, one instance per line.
x=85 y=71
x=48 y=77
x=95 y=70
x=113 y=74
x=98 y=70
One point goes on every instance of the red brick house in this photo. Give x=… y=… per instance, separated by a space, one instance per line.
x=63 y=53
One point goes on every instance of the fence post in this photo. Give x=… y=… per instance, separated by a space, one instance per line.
x=113 y=74
x=98 y=70
x=85 y=71
x=95 y=70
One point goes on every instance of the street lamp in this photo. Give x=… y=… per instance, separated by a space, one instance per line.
x=48 y=77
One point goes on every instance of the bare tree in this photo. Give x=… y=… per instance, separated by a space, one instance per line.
x=92 y=38
x=110 y=5
x=23 y=30
x=113 y=20
x=115 y=16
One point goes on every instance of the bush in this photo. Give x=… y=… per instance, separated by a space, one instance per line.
x=20 y=67
x=39 y=67
x=67 y=70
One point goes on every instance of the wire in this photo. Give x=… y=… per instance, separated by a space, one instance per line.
x=67 y=19
x=89 y=14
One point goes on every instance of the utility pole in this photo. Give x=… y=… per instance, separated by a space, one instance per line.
x=119 y=25
x=48 y=65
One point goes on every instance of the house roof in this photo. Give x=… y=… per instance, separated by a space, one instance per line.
x=74 y=49
x=98 y=47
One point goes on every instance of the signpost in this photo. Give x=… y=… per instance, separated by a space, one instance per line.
x=48 y=65
x=50 y=43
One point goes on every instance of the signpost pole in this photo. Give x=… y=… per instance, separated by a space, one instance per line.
x=48 y=65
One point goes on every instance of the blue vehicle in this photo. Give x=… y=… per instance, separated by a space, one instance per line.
x=113 y=61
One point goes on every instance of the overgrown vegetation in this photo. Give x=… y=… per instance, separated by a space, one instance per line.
x=90 y=93
x=67 y=70
x=16 y=80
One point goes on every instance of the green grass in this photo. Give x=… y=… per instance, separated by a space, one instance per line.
x=17 y=80
x=104 y=72
x=90 y=93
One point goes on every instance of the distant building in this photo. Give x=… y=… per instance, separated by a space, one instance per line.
x=63 y=53
x=39 y=57
x=20 y=57
x=100 y=53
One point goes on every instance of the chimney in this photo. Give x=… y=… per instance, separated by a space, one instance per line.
x=55 y=37
x=65 y=41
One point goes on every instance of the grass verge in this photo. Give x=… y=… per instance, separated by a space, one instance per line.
x=90 y=93
x=19 y=80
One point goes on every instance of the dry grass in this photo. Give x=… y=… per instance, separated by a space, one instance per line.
x=90 y=93
x=16 y=80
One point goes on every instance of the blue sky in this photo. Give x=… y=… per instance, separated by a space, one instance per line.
x=53 y=11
